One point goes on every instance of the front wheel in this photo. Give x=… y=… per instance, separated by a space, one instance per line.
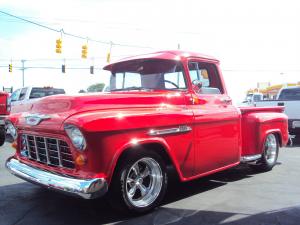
x=270 y=154
x=139 y=184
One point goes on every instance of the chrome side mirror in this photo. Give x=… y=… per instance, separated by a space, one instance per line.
x=197 y=85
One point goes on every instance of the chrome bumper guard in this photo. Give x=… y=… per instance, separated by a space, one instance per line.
x=87 y=189
x=250 y=158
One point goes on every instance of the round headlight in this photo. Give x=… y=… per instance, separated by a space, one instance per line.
x=76 y=137
x=12 y=130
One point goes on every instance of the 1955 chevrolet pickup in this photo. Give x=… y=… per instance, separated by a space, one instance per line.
x=168 y=108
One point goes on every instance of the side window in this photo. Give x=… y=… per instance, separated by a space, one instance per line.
x=23 y=94
x=206 y=76
x=198 y=72
x=15 y=95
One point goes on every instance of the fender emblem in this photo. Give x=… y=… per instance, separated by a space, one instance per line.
x=35 y=119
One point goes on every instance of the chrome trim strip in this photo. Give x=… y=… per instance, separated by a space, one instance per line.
x=175 y=130
x=250 y=158
x=84 y=188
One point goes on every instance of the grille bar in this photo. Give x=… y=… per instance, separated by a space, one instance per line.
x=50 y=151
x=59 y=154
x=46 y=149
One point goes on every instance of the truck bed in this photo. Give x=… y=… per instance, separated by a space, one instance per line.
x=257 y=122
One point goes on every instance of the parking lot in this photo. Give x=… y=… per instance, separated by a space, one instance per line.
x=236 y=196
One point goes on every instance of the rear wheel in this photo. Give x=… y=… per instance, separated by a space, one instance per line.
x=270 y=154
x=139 y=183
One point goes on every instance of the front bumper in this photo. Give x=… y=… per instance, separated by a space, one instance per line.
x=84 y=188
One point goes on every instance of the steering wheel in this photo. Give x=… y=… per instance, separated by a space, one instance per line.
x=170 y=82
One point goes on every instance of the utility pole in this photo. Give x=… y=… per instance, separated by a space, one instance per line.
x=23 y=72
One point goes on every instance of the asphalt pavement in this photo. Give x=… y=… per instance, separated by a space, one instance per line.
x=235 y=196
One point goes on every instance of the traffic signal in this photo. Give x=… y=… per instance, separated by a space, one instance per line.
x=10 y=68
x=84 y=51
x=108 y=58
x=63 y=68
x=58 y=45
x=91 y=69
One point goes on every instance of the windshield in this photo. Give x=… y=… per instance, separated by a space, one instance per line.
x=143 y=75
x=42 y=92
x=290 y=94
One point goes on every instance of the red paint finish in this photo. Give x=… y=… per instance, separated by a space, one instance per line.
x=3 y=103
x=114 y=122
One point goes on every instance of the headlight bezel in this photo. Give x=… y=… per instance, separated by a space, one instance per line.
x=76 y=136
x=12 y=130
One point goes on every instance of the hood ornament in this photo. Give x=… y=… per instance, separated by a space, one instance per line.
x=35 y=119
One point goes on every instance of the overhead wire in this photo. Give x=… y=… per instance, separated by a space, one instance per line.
x=74 y=35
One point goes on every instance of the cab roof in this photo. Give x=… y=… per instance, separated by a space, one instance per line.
x=168 y=55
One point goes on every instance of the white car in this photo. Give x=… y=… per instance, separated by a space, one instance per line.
x=21 y=99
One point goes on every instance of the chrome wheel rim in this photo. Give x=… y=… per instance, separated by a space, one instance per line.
x=144 y=182
x=271 y=148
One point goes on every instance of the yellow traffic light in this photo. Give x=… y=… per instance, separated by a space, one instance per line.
x=58 y=46
x=108 y=57
x=84 y=51
x=10 y=68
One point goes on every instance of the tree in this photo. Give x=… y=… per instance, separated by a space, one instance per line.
x=96 y=87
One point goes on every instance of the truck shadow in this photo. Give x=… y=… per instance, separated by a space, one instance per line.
x=25 y=203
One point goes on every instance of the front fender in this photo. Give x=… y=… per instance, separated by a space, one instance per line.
x=138 y=144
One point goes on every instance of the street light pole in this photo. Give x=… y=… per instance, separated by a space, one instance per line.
x=23 y=72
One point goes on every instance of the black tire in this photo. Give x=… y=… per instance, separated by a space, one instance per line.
x=118 y=191
x=265 y=164
x=2 y=136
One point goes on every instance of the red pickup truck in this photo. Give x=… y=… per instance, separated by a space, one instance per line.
x=4 y=111
x=167 y=108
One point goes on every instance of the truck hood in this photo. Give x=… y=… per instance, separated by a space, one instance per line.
x=54 y=110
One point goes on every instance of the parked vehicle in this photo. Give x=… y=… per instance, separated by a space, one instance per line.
x=289 y=97
x=4 y=111
x=21 y=100
x=252 y=98
x=168 y=108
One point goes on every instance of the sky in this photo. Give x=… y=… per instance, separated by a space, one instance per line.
x=255 y=40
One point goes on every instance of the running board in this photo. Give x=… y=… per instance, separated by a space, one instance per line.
x=250 y=158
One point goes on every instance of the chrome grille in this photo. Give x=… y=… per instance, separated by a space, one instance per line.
x=50 y=151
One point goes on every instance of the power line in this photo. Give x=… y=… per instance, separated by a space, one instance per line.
x=73 y=35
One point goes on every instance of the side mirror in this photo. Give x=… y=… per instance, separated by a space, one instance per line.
x=197 y=85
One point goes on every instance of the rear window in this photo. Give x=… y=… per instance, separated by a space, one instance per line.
x=290 y=94
x=43 y=92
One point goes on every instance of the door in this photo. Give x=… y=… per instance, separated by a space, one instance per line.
x=216 y=124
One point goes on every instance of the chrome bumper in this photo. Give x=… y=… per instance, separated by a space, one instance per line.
x=87 y=189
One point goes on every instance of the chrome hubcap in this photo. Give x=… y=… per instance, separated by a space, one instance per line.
x=271 y=148
x=144 y=182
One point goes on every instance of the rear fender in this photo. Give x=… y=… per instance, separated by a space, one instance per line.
x=278 y=134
